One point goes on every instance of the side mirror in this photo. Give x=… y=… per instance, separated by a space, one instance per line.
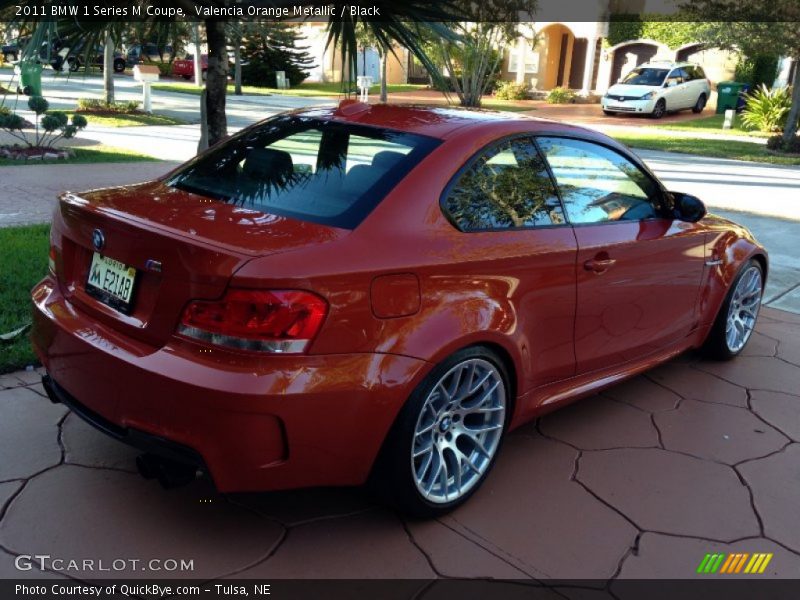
x=687 y=207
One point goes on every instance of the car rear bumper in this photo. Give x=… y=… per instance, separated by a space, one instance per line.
x=254 y=423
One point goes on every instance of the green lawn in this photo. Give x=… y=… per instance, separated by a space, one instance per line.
x=23 y=262
x=713 y=124
x=304 y=89
x=98 y=154
x=507 y=105
x=123 y=120
x=749 y=151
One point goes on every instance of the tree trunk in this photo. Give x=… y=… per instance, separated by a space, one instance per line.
x=216 y=80
x=237 y=66
x=198 y=61
x=384 y=90
x=108 y=69
x=794 y=112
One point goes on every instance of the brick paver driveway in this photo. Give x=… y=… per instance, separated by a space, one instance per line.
x=639 y=482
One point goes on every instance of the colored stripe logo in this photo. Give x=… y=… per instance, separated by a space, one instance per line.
x=731 y=564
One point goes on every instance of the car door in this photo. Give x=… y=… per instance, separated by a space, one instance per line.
x=674 y=92
x=638 y=269
x=505 y=201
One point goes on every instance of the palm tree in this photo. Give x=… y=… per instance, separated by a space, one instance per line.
x=400 y=21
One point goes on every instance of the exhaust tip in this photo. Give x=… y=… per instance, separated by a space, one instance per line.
x=169 y=473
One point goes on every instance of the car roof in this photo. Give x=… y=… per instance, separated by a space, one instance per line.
x=436 y=121
x=668 y=64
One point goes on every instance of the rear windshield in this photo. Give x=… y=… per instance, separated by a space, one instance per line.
x=311 y=169
x=646 y=76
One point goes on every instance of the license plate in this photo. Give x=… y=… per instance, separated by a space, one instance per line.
x=111 y=282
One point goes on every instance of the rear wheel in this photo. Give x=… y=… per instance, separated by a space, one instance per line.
x=660 y=109
x=737 y=315
x=700 y=104
x=119 y=66
x=446 y=438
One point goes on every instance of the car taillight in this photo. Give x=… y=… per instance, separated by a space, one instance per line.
x=279 y=321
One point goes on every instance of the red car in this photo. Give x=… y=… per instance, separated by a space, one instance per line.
x=184 y=67
x=378 y=293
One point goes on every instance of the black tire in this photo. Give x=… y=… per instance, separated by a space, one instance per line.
x=660 y=109
x=74 y=65
x=203 y=74
x=700 y=104
x=186 y=77
x=716 y=344
x=609 y=113
x=11 y=56
x=392 y=476
x=119 y=66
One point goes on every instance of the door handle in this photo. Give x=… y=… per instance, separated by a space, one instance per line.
x=599 y=265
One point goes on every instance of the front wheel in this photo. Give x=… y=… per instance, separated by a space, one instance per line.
x=737 y=315
x=446 y=437
x=660 y=109
x=119 y=66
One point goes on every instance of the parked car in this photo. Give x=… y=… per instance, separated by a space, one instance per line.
x=184 y=67
x=138 y=53
x=75 y=59
x=377 y=293
x=656 y=88
x=12 y=49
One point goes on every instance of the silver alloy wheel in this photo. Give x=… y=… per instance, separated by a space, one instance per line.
x=458 y=431
x=743 y=309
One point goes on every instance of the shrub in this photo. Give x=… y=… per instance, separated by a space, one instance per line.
x=777 y=144
x=757 y=70
x=96 y=105
x=50 y=126
x=509 y=90
x=561 y=95
x=766 y=109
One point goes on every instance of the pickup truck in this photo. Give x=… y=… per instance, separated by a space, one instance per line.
x=184 y=67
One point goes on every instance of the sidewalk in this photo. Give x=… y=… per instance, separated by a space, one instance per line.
x=641 y=481
x=28 y=193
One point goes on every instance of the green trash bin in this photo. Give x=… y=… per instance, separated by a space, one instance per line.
x=728 y=93
x=30 y=78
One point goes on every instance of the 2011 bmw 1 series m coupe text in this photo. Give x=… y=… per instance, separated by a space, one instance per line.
x=378 y=293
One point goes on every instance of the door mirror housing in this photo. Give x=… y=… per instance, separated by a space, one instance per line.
x=687 y=207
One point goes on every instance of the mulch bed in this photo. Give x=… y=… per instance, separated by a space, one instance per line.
x=25 y=153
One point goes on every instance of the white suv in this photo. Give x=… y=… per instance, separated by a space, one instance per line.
x=657 y=87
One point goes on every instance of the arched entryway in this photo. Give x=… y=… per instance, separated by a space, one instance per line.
x=628 y=55
x=558 y=42
x=684 y=53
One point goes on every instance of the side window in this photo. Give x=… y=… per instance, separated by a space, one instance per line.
x=699 y=73
x=674 y=78
x=507 y=187
x=597 y=184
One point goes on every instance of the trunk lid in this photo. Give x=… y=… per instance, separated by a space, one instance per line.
x=182 y=245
